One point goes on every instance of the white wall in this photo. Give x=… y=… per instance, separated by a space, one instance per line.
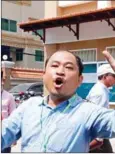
x=100 y=3
x=29 y=61
x=20 y=13
x=88 y=31
x=70 y=3
x=103 y=4
x=10 y=11
x=89 y=77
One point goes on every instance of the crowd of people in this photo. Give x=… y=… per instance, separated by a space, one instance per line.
x=63 y=121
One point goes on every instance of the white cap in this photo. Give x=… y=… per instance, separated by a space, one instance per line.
x=104 y=69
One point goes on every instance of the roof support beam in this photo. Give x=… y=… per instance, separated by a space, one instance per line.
x=76 y=33
x=43 y=38
x=110 y=24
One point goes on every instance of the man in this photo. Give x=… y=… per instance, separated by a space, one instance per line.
x=109 y=58
x=62 y=121
x=99 y=94
x=8 y=105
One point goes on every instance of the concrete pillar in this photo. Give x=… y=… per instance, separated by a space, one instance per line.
x=103 y=4
x=51 y=9
x=48 y=51
x=6 y=67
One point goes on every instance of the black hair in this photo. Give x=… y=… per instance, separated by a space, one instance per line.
x=78 y=62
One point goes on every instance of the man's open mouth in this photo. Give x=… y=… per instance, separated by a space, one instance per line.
x=59 y=82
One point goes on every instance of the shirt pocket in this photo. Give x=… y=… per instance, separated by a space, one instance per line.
x=63 y=133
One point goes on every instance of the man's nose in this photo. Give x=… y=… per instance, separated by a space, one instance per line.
x=60 y=71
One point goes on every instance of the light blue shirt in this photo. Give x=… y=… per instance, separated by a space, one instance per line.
x=99 y=94
x=69 y=127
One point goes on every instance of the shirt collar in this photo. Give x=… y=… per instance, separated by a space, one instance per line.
x=44 y=100
x=73 y=101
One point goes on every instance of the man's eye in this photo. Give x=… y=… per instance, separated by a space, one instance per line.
x=54 y=65
x=69 y=67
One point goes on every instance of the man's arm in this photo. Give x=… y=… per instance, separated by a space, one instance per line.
x=109 y=58
x=101 y=122
x=11 y=126
x=98 y=99
x=12 y=104
x=101 y=100
x=95 y=144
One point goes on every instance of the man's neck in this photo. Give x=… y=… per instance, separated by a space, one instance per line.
x=104 y=83
x=53 y=101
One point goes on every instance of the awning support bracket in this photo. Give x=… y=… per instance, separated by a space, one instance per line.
x=76 y=33
x=41 y=37
x=110 y=24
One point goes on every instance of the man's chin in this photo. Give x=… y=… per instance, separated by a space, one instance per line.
x=60 y=95
x=57 y=94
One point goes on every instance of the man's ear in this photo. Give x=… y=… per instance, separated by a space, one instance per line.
x=80 y=79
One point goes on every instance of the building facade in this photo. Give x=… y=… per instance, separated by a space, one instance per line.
x=94 y=37
x=25 y=49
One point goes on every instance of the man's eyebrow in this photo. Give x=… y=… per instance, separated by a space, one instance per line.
x=68 y=62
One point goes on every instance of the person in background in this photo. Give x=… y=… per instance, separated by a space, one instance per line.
x=109 y=58
x=61 y=121
x=99 y=94
x=8 y=105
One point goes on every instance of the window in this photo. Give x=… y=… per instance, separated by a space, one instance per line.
x=84 y=89
x=9 y=25
x=87 y=55
x=13 y=26
x=111 y=50
x=112 y=99
x=38 y=31
x=19 y=54
x=5 y=50
x=39 y=55
x=90 y=68
x=4 y=24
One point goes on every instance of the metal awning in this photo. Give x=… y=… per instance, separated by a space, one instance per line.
x=68 y=20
